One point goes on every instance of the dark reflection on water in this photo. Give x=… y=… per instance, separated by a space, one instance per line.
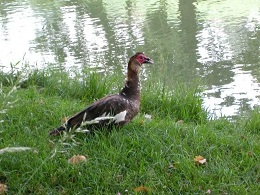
x=216 y=41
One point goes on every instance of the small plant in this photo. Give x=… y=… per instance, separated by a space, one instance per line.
x=252 y=124
x=8 y=98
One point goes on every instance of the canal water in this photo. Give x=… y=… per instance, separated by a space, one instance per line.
x=214 y=41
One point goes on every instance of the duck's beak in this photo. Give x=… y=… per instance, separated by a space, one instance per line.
x=148 y=61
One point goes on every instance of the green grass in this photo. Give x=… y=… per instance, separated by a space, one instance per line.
x=156 y=153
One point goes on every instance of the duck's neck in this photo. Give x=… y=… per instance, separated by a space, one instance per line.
x=132 y=87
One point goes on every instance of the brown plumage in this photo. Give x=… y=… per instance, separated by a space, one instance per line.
x=117 y=109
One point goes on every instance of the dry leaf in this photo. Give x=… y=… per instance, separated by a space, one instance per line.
x=142 y=189
x=3 y=188
x=250 y=153
x=64 y=119
x=77 y=159
x=200 y=160
x=173 y=165
x=180 y=122
x=119 y=177
x=148 y=116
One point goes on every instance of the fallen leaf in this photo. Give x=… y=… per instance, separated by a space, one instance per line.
x=142 y=189
x=250 y=153
x=64 y=119
x=173 y=165
x=200 y=160
x=3 y=188
x=77 y=159
x=148 y=116
x=41 y=101
x=119 y=177
x=180 y=122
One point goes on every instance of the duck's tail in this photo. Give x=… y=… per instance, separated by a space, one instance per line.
x=70 y=123
x=57 y=131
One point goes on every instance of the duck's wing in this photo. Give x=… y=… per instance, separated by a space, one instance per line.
x=110 y=109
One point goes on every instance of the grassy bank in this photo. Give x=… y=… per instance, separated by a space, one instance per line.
x=156 y=155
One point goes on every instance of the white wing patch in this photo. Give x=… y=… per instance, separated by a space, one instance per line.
x=105 y=116
x=84 y=117
x=120 y=117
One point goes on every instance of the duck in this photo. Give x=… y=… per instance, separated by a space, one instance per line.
x=112 y=110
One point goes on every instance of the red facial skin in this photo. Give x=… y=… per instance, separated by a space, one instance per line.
x=141 y=58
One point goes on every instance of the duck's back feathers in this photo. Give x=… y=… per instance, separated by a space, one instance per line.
x=106 y=112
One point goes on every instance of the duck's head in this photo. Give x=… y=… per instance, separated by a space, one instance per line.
x=137 y=60
x=142 y=59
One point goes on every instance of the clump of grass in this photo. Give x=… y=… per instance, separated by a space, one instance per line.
x=8 y=99
x=88 y=86
x=182 y=103
x=9 y=84
x=252 y=124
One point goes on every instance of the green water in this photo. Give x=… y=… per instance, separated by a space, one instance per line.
x=216 y=41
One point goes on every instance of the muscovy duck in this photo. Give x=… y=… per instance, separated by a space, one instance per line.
x=112 y=110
